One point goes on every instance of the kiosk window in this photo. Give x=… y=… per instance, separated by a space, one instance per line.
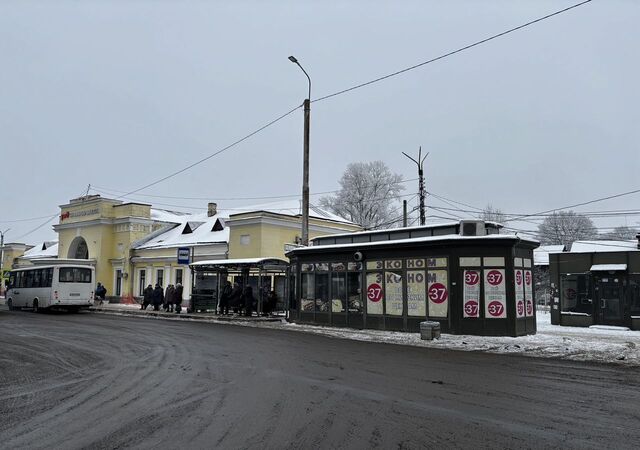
x=575 y=294
x=338 y=291
x=354 y=290
x=634 y=294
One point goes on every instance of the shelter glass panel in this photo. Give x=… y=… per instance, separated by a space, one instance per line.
x=307 y=294
x=322 y=292
x=354 y=290
x=338 y=292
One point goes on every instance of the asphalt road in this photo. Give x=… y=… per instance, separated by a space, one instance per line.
x=97 y=381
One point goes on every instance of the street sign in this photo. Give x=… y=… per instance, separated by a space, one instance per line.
x=184 y=254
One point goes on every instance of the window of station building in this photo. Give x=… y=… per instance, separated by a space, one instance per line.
x=142 y=281
x=322 y=287
x=634 y=295
x=354 y=287
x=307 y=288
x=245 y=239
x=179 y=276
x=575 y=294
x=160 y=277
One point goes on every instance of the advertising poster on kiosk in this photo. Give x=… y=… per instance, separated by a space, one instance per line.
x=416 y=293
x=438 y=293
x=471 y=305
x=519 y=285
x=374 y=293
x=393 y=293
x=528 y=293
x=495 y=294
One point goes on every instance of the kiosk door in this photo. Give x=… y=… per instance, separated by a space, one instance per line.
x=610 y=301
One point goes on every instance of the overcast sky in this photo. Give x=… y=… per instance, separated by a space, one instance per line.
x=119 y=93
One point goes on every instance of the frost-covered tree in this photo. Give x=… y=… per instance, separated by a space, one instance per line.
x=369 y=193
x=492 y=214
x=565 y=227
x=622 y=233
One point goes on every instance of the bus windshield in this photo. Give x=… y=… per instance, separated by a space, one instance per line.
x=74 y=275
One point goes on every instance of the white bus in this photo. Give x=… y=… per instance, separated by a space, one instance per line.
x=65 y=286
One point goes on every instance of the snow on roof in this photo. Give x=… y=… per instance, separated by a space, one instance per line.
x=164 y=215
x=608 y=267
x=175 y=237
x=44 y=250
x=541 y=254
x=447 y=237
x=228 y=262
x=603 y=246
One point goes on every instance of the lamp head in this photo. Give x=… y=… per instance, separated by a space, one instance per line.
x=293 y=59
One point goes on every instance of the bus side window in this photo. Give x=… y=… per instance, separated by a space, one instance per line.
x=12 y=280
x=49 y=277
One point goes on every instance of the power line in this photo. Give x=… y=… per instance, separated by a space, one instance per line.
x=206 y=158
x=461 y=49
x=111 y=191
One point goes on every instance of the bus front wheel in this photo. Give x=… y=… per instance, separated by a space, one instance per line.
x=10 y=305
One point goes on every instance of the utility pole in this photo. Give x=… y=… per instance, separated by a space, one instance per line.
x=419 y=162
x=305 y=162
x=2 y=233
x=404 y=213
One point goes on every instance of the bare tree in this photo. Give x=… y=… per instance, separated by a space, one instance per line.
x=368 y=195
x=565 y=227
x=492 y=214
x=622 y=233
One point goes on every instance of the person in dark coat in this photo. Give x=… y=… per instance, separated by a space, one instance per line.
x=147 y=297
x=158 y=297
x=248 y=300
x=177 y=298
x=235 y=300
x=169 y=298
x=270 y=304
x=225 y=296
x=101 y=292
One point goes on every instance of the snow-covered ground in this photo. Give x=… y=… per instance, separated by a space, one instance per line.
x=552 y=341
x=584 y=344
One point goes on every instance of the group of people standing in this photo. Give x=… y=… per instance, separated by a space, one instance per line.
x=242 y=301
x=170 y=300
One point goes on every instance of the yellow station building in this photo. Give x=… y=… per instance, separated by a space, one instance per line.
x=132 y=245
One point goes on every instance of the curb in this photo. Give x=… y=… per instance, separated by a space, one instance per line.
x=190 y=316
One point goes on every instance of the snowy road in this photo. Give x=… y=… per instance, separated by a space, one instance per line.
x=98 y=381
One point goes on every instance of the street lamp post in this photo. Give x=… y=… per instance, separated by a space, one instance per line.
x=305 y=161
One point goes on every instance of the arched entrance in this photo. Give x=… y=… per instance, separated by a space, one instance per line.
x=78 y=249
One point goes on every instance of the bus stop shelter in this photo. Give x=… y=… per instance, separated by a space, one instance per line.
x=262 y=274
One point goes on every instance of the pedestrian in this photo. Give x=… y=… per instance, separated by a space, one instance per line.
x=147 y=297
x=249 y=300
x=168 y=298
x=101 y=292
x=272 y=301
x=172 y=298
x=177 y=298
x=225 y=297
x=158 y=297
x=235 y=300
